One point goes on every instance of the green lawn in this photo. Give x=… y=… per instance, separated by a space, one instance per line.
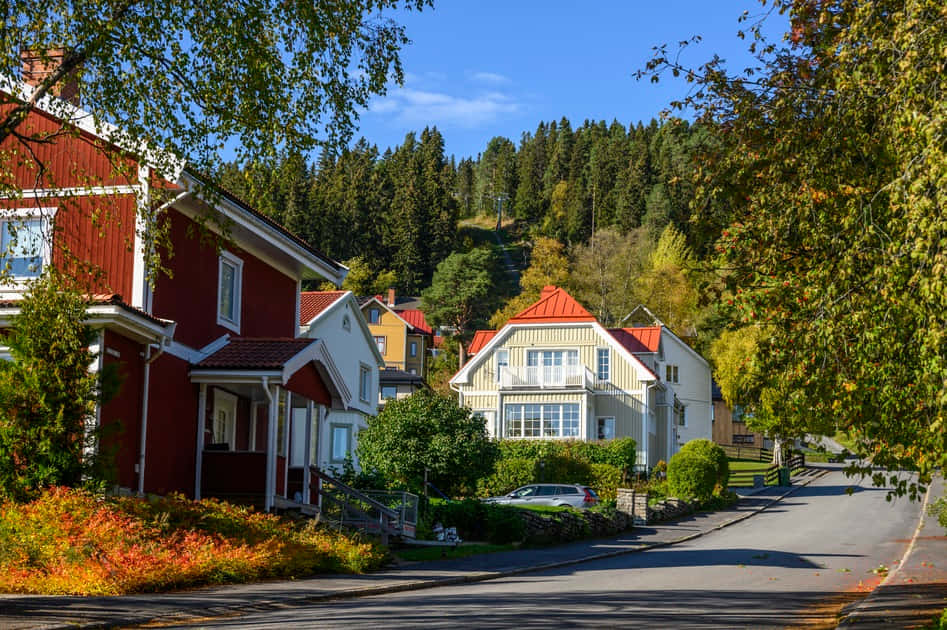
x=747 y=465
x=426 y=554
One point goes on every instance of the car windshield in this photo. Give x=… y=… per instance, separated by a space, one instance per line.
x=527 y=491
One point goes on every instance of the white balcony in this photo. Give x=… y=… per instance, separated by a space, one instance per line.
x=546 y=377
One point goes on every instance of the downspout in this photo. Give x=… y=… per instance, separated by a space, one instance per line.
x=146 y=386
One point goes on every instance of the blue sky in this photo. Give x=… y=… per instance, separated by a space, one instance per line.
x=484 y=68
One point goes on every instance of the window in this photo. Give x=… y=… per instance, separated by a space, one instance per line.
x=388 y=392
x=413 y=348
x=224 y=421
x=382 y=343
x=374 y=315
x=413 y=371
x=364 y=383
x=346 y=323
x=671 y=374
x=567 y=490
x=503 y=360
x=534 y=421
x=606 y=428
x=23 y=246
x=229 y=289
x=341 y=442
x=551 y=366
x=743 y=438
x=682 y=419
x=604 y=357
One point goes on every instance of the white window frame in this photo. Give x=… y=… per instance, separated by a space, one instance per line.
x=383 y=349
x=599 y=420
x=347 y=428
x=381 y=392
x=542 y=422
x=504 y=352
x=364 y=382
x=223 y=398
x=237 y=264
x=608 y=364
x=19 y=215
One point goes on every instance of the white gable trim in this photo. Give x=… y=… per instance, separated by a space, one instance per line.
x=349 y=298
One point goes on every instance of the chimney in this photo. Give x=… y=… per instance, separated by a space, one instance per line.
x=547 y=291
x=37 y=66
x=391 y=296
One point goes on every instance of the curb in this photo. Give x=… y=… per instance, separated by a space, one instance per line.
x=848 y=616
x=289 y=600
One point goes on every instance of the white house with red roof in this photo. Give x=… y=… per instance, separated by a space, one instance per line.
x=554 y=372
x=335 y=318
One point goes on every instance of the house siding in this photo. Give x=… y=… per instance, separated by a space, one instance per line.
x=189 y=295
x=122 y=414
x=172 y=428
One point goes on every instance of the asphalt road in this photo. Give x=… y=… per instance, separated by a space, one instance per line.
x=793 y=565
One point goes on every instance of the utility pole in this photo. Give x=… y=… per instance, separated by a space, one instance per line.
x=499 y=201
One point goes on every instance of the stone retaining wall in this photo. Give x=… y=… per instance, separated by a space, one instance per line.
x=568 y=525
x=634 y=504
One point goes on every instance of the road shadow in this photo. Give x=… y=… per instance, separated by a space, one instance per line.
x=703 y=608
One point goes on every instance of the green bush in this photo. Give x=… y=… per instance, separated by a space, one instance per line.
x=427 y=431
x=713 y=452
x=602 y=465
x=508 y=475
x=691 y=476
x=605 y=479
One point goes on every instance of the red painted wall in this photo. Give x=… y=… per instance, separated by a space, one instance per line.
x=172 y=428
x=189 y=296
x=307 y=382
x=123 y=412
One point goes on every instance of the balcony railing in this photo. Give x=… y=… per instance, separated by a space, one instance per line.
x=546 y=377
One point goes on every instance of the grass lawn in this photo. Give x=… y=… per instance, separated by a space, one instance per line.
x=748 y=465
x=426 y=554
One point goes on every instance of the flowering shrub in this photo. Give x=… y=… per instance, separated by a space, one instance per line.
x=70 y=541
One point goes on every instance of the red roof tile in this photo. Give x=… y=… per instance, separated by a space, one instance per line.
x=438 y=341
x=255 y=353
x=554 y=306
x=480 y=339
x=416 y=319
x=311 y=303
x=641 y=339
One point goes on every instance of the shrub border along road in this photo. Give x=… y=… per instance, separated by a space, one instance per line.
x=279 y=602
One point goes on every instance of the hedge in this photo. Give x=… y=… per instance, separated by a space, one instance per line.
x=600 y=465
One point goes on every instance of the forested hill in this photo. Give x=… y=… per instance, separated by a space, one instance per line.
x=398 y=210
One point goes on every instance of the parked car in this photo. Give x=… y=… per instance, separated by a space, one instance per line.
x=555 y=494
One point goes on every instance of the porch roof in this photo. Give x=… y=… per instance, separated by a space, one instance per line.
x=282 y=359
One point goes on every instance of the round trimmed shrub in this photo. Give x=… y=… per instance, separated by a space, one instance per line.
x=691 y=476
x=713 y=452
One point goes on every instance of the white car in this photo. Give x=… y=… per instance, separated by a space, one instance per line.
x=555 y=494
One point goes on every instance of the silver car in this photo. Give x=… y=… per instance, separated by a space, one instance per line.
x=555 y=494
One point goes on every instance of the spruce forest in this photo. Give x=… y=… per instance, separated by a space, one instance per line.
x=394 y=215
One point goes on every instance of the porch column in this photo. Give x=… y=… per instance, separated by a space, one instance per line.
x=307 y=456
x=271 y=393
x=287 y=427
x=201 y=423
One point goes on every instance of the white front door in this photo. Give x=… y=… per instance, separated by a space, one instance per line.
x=225 y=418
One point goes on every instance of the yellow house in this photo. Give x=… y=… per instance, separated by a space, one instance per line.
x=554 y=372
x=402 y=335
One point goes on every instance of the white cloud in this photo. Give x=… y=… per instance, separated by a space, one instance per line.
x=490 y=77
x=424 y=107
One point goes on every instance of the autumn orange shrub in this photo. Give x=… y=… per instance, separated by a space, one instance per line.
x=70 y=541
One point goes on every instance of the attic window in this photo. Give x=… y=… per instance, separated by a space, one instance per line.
x=373 y=316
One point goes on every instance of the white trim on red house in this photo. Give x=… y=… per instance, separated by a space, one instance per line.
x=236 y=263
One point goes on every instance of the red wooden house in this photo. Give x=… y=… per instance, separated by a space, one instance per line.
x=220 y=396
